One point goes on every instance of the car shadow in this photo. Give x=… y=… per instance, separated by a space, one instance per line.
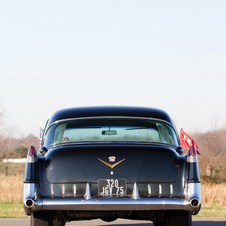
x=194 y=223
x=140 y=224
x=208 y=223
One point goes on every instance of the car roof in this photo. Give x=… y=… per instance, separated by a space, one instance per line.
x=98 y=111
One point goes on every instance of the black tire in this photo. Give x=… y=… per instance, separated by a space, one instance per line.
x=41 y=219
x=180 y=218
x=58 y=223
x=160 y=222
x=45 y=219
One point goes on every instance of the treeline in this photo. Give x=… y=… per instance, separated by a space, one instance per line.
x=11 y=147
x=212 y=147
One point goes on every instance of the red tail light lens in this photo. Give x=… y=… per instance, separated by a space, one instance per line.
x=192 y=151
x=32 y=152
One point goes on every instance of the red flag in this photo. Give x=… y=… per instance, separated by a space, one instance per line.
x=186 y=141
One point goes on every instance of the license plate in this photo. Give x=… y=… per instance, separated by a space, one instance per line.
x=110 y=187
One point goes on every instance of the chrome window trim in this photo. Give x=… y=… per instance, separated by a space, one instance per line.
x=111 y=142
x=111 y=117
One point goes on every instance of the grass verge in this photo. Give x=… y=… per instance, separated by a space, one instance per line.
x=214 y=211
x=12 y=210
x=15 y=210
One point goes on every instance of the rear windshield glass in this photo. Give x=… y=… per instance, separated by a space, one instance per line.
x=110 y=129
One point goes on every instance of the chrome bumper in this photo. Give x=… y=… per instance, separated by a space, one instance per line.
x=32 y=203
x=110 y=204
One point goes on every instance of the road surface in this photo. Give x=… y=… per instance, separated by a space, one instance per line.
x=197 y=221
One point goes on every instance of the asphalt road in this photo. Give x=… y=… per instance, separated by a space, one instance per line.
x=197 y=221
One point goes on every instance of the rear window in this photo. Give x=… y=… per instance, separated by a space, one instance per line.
x=110 y=129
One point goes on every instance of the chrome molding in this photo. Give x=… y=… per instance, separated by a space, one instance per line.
x=111 y=117
x=69 y=190
x=152 y=190
x=135 y=193
x=52 y=191
x=192 y=158
x=111 y=204
x=87 y=195
x=30 y=191
x=36 y=193
x=160 y=190
x=190 y=202
x=171 y=190
x=149 y=190
x=74 y=190
x=63 y=190
x=31 y=159
x=194 y=191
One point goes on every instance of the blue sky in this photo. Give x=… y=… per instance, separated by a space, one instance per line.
x=163 y=54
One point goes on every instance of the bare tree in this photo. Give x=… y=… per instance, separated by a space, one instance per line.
x=29 y=140
x=1 y=122
x=212 y=146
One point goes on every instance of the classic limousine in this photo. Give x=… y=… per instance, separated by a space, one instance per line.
x=109 y=163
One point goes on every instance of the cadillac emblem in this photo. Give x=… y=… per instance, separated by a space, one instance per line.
x=111 y=158
x=109 y=165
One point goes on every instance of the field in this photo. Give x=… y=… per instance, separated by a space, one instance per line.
x=213 y=198
x=11 y=189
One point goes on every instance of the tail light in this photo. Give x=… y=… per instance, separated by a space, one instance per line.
x=193 y=169
x=32 y=152
x=31 y=166
x=192 y=154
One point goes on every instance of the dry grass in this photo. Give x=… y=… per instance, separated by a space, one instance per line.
x=11 y=189
x=213 y=195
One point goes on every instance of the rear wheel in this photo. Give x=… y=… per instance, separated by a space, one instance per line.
x=160 y=222
x=180 y=218
x=45 y=219
x=41 y=219
x=58 y=223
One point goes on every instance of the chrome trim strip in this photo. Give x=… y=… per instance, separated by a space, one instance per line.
x=30 y=159
x=115 y=117
x=149 y=190
x=194 y=191
x=171 y=190
x=74 y=190
x=87 y=195
x=112 y=204
x=135 y=193
x=160 y=190
x=52 y=191
x=110 y=117
x=63 y=190
x=192 y=159
x=112 y=142
x=36 y=193
x=29 y=191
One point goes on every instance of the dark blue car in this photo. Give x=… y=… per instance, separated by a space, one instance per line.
x=109 y=163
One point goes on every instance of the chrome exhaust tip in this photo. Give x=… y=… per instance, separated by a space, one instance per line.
x=29 y=203
x=194 y=203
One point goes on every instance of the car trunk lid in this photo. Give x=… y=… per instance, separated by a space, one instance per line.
x=89 y=163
